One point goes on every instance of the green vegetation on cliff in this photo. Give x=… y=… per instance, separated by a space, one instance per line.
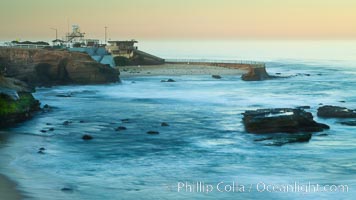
x=24 y=104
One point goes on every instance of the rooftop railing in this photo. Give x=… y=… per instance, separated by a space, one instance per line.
x=23 y=46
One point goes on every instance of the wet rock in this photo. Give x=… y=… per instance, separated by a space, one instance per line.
x=48 y=124
x=283 y=139
x=87 y=137
x=164 y=124
x=322 y=135
x=46 y=108
x=81 y=121
x=349 y=123
x=169 y=80
x=64 y=95
x=216 y=76
x=281 y=120
x=66 y=123
x=51 y=129
x=43 y=131
x=125 y=120
x=65 y=189
x=152 y=132
x=336 y=112
x=41 y=152
x=303 y=107
x=121 y=128
x=41 y=149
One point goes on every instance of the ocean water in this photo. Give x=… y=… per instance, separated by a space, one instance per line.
x=204 y=153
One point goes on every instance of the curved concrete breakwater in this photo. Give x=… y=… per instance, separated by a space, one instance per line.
x=256 y=71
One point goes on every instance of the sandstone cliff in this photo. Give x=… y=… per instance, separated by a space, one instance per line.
x=256 y=73
x=54 y=67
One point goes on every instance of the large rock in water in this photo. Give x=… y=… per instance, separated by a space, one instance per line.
x=54 y=67
x=281 y=120
x=256 y=73
x=16 y=102
x=336 y=112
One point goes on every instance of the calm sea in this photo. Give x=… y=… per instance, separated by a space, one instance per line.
x=204 y=153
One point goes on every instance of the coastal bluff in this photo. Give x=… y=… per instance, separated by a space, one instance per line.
x=46 y=67
x=16 y=101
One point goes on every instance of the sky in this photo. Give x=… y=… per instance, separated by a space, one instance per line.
x=180 y=19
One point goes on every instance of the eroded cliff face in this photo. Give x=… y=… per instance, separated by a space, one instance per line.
x=54 y=67
x=256 y=73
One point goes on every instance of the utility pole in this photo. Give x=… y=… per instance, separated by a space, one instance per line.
x=56 y=32
x=106 y=34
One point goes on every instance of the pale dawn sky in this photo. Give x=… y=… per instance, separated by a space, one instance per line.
x=181 y=19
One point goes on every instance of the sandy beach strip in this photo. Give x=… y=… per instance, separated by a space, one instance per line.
x=176 y=70
x=8 y=189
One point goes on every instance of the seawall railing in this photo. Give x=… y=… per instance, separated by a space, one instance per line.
x=250 y=62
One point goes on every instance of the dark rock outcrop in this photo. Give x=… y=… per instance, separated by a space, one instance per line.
x=152 y=132
x=87 y=137
x=281 y=140
x=164 y=124
x=40 y=67
x=169 y=81
x=256 y=73
x=216 y=76
x=281 y=120
x=336 y=112
x=16 y=102
x=120 y=128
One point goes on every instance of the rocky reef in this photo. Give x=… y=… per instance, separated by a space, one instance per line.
x=281 y=120
x=288 y=125
x=16 y=102
x=336 y=112
x=43 y=67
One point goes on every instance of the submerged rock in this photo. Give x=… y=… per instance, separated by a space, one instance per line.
x=169 y=80
x=281 y=140
x=66 y=123
x=281 y=120
x=66 y=95
x=164 y=124
x=349 y=123
x=87 y=137
x=46 y=108
x=216 y=76
x=152 y=132
x=125 y=120
x=336 y=112
x=121 y=128
x=65 y=189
